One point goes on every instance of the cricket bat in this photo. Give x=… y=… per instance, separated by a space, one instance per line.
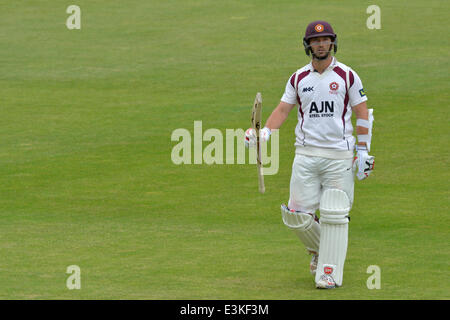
x=256 y=125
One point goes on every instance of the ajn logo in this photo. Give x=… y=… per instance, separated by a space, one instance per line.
x=325 y=106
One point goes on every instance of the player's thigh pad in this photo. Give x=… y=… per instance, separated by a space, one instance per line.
x=338 y=174
x=305 y=189
x=304 y=226
x=334 y=208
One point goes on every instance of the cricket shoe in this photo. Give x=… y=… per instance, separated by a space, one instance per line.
x=313 y=264
x=326 y=282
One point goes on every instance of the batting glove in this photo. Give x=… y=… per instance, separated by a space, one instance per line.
x=250 y=136
x=365 y=162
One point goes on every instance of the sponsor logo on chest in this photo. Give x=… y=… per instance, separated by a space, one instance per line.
x=325 y=109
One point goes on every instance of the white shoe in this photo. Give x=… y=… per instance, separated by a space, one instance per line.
x=313 y=264
x=326 y=282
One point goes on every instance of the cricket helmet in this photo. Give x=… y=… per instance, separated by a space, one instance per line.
x=318 y=28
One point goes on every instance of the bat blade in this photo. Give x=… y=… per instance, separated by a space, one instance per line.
x=256 y=125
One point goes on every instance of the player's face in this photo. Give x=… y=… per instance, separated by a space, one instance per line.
x=321 y=46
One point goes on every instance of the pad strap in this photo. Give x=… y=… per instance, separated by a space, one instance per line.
x=362 y=123
x=363 y=138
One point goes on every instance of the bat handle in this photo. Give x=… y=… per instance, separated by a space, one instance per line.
x=262 y=188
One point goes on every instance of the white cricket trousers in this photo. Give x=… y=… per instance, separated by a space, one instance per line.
x=312 y=175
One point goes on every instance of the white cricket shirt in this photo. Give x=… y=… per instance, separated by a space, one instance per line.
x=324 y=109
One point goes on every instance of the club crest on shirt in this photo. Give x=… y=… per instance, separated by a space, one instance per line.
x=334 y=86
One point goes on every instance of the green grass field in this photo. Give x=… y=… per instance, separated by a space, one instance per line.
x=86 y=175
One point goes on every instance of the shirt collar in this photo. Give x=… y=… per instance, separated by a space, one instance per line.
x=331 y=66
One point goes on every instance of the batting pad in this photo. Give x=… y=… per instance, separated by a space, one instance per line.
x=304 y=226
x=334 y=208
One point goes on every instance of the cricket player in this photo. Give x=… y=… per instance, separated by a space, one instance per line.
x=327 y=93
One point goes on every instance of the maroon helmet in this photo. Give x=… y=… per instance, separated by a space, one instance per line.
x=318 y=28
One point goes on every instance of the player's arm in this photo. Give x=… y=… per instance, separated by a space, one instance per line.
x=275 y=120
x=362 y=113
x=364 y=161
x=279 y=115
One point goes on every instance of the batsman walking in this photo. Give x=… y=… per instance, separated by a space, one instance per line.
x=327 y=93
